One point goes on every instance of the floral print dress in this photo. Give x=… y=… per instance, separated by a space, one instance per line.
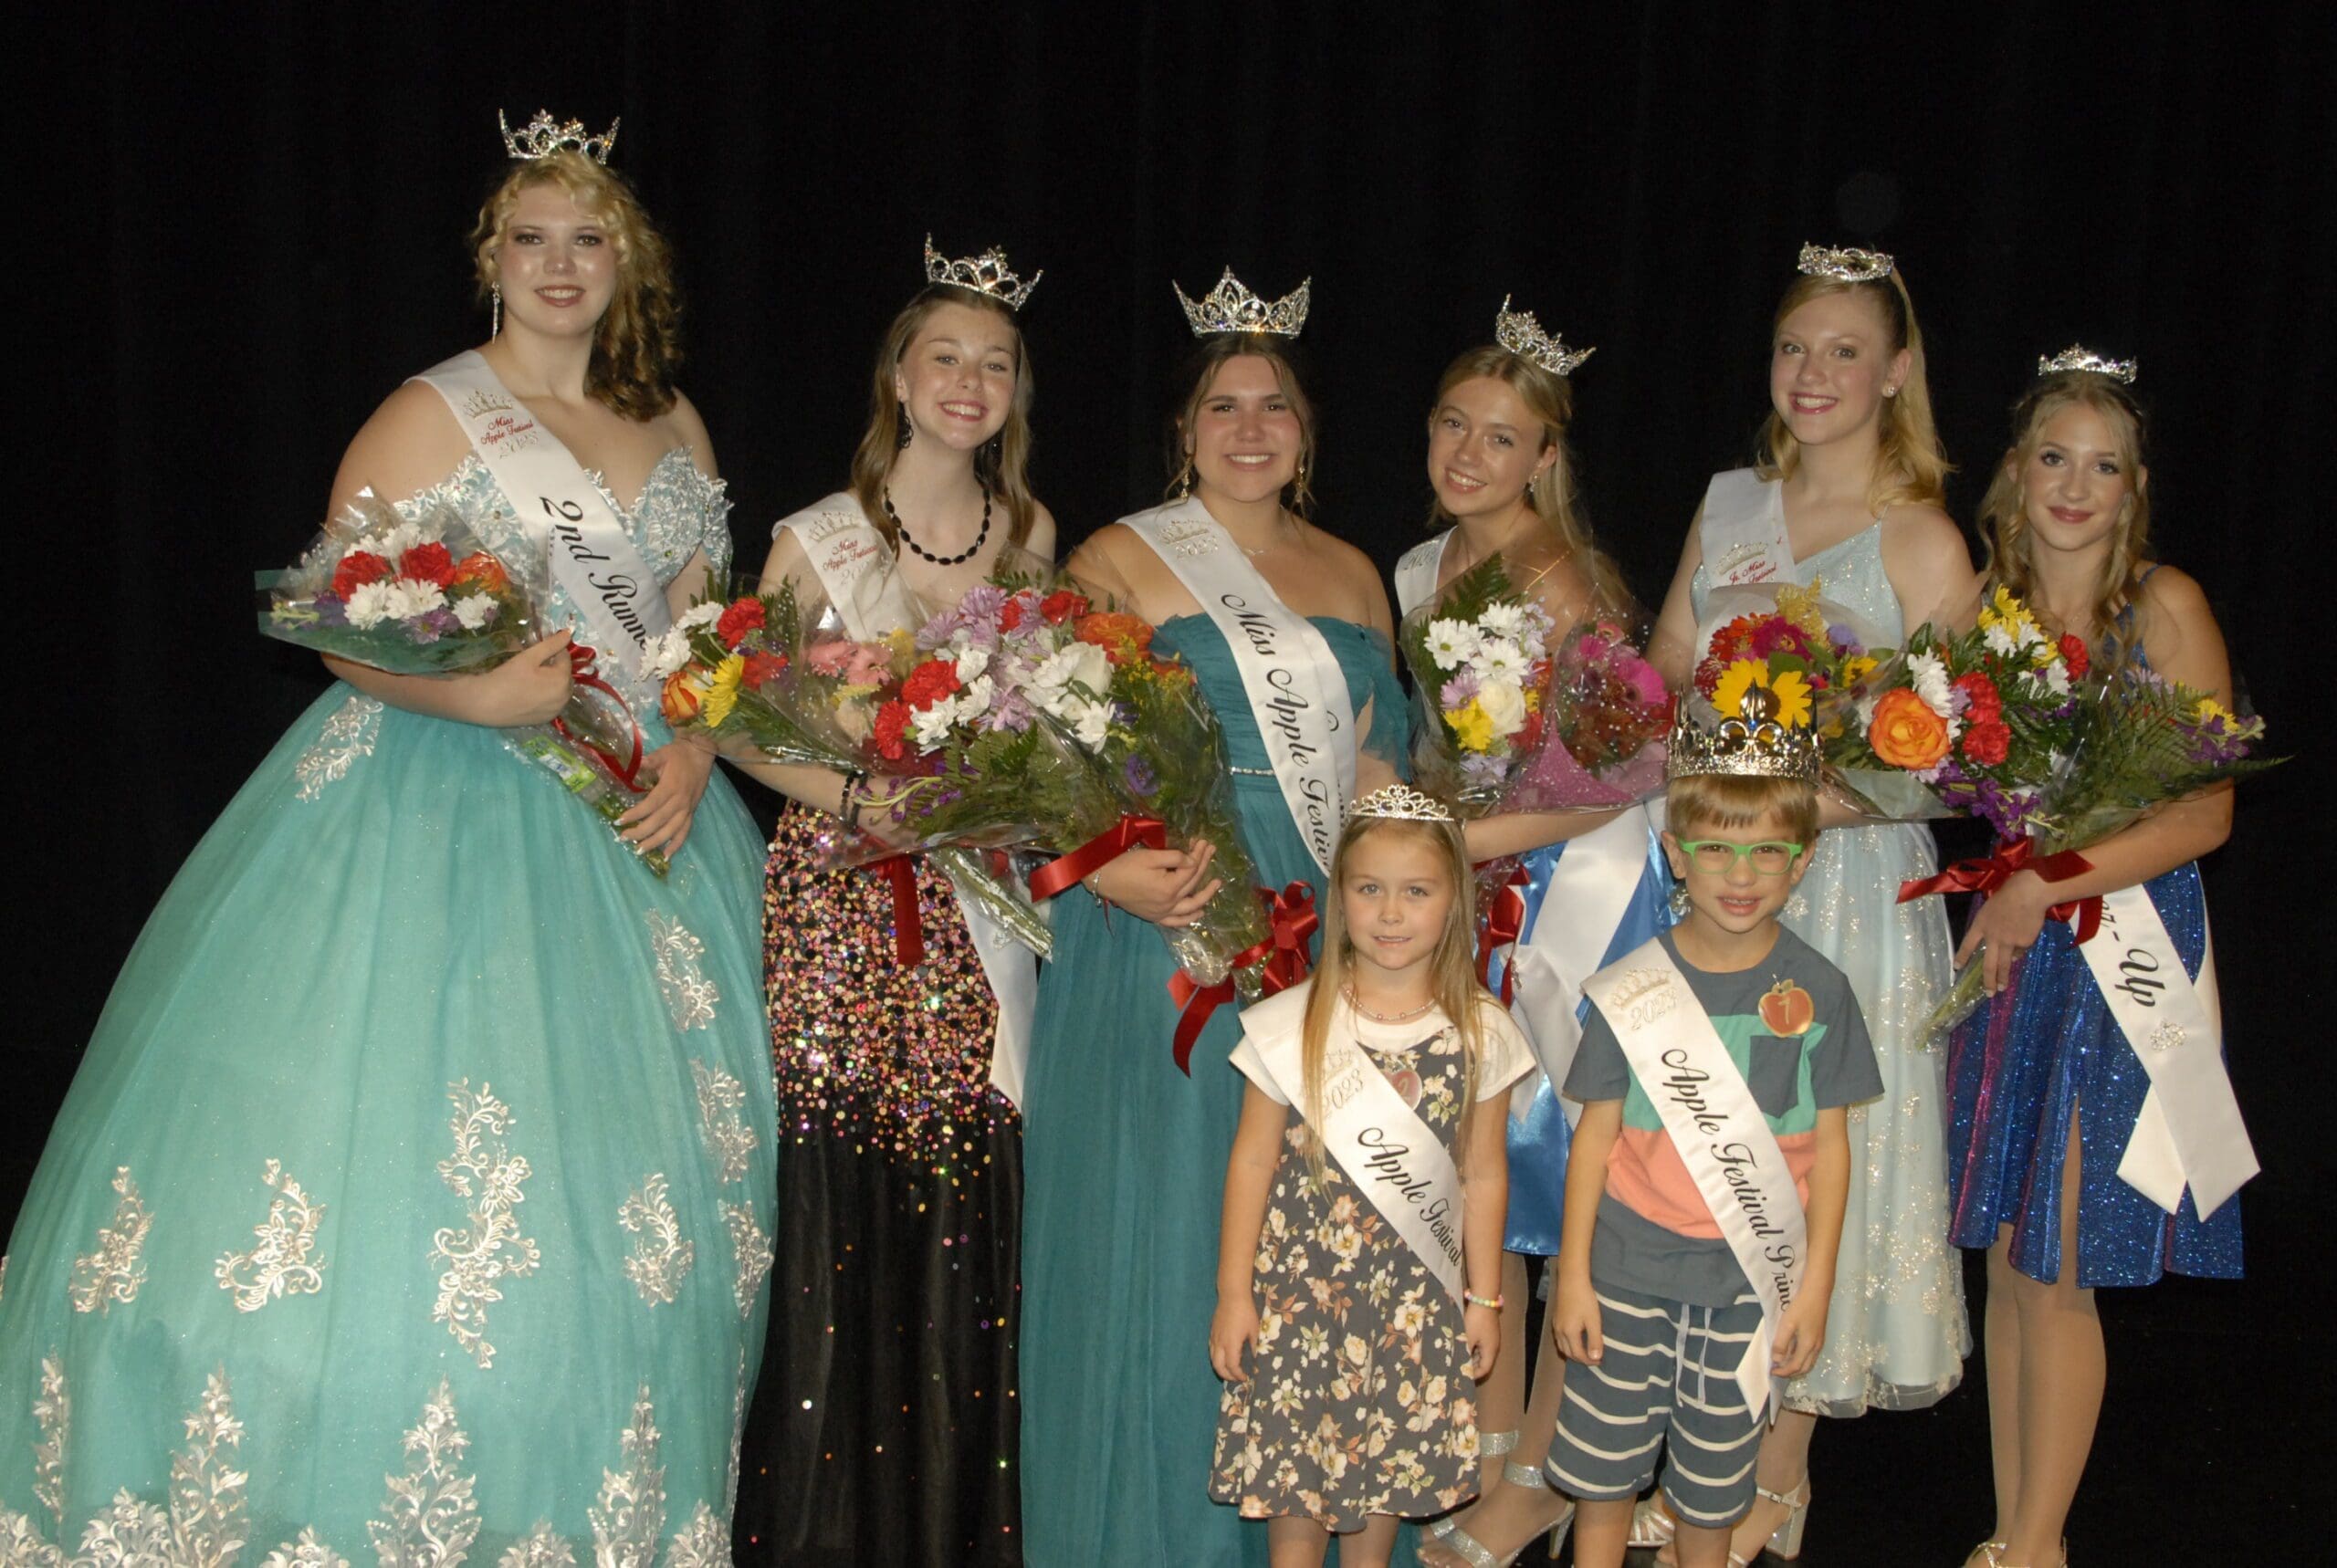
x=1359 y=1400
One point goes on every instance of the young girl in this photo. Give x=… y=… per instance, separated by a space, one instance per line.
x=1847 y=502
x=2045 y=1072
x=1360 y=1256
x=1504 y=480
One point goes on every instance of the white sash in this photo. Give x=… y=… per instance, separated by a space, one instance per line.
x=592 y=556
x=1722 y=1136
x=1590 y=891
x=1416 y=574
x=1384 y=1147
x=853 y=565
x=1744 y=530
x=1296 y=689
x=2189 y=1131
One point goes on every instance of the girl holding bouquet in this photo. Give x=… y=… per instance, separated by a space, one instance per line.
x=1845 y=503
x=1499 y=463
x=1125 y=1157
x=420 y=1098
x=888 y=1434
x=2048 y=1082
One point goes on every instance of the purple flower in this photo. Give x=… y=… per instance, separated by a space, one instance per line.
x=1846 y=642
x=1483 y=769
x=1141 y=780
x=1009 y=710
x=1459 y=689
x=331 y=609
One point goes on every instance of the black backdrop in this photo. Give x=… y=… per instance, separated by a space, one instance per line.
x=243 y=226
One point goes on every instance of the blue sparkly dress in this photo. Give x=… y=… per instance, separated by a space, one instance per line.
x=1895 y=1331
x=414 y=1195
x=1124 y=1173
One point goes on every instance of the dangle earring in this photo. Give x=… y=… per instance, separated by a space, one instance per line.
x=902 y=441
x=1185 y=480
x=495 y=290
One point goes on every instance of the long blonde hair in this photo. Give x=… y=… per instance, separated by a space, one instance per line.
x=1453 y=972
x=1910 y=468
x=2004 y=510
x=1553 y=497
x=1003 y=464
x=636 y=348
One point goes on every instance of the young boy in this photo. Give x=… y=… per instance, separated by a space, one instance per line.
x=1705 y=1190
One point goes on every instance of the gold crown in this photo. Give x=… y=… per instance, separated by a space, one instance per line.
x=1754 y=742
x=1848 y=263
x=1522 y=335
x=543 y=136
x=1400 y=802
x=1232 y=308
x=2077 y=357
x=984 y=274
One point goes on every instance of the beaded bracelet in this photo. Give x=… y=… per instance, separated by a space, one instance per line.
x=1476 y=1299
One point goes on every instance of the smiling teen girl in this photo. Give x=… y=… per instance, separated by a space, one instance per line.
x=1846 y=502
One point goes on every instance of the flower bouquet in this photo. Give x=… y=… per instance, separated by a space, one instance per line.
x=425 y=598
x=1479 y=658
x=782 y=672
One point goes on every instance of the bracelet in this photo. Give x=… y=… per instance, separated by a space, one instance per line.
x=847 y=807
x=1474 y=1299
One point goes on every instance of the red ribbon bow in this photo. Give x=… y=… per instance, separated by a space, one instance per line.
x=1985 y=876
x=581 y=670
x=1504 y=919
x=1097 y=852
x=908 y=926
x=1290 y=914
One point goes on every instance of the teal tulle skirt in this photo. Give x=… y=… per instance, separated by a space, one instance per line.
x=417 y=1184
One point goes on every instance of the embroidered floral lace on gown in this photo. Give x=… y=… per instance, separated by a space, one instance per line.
x=414 y=1197
x=1123 y=1170
x=1895 y=1333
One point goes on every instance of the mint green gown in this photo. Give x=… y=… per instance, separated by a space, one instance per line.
x=1123 y=1176
x=415 y=1196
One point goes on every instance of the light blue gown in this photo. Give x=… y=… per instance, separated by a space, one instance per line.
x=416 y=1189
x=1123 y=1177
x=1895 y=1333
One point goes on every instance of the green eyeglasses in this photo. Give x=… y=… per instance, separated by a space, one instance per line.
x=1771 y=857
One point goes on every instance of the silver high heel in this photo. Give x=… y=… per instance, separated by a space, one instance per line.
x=1992 y=1553
x=1653 y=1525
x=1784 y=1542
x=1490 y=1445
x=1473 y=1552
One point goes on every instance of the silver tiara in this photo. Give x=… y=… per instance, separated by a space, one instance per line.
x=984 y=274
x=1752 y=743
x=2077 y=357
x=1230 y=307
x=1848 y=263
x=543 y=136
x=1400 y=802
x=1522 y=335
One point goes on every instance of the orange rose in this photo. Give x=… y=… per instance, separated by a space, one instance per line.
x=1122 y=637
x=684 y=695
x=1905 y=732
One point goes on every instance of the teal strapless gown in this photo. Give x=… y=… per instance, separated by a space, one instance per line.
x=1123 y=1176
x=416 y=1189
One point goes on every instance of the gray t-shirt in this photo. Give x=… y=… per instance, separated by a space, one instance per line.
x=1792 y=1027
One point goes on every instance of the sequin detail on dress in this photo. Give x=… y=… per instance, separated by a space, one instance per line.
x=752 y=1248
x=115 y=1270
x=309 y=1552
x=631 y=1513
x=53 y=1413
x=483 y=1169
x=543 y=1547
x=663 y=1258
x=344 y=737
x=428 y=1516
x=722 y=1099
x=278 y=1265
x=690 y=997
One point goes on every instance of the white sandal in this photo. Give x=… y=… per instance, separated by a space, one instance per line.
x=1474 y=1552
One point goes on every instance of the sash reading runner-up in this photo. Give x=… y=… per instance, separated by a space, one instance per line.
x=592 y=556
x=1589 y=890
x=2189 y=1132
x=1385 y=1149
x=850 y=558
x=1721 y=1135
x=1296 y=689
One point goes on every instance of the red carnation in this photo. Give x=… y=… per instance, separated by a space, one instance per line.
x=892 y=725
x=761 y=668
x=357 y=568
x=929 y=683
x=1987 y=742
x=1010 y=614
x=738 y=618
x=427 y=563
x=1063 y=605
x=1529 y=733
x=2076 y=655
x=1987 y=704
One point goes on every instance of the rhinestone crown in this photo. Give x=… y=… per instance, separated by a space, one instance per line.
x=985 y=274
x=1402 y=803
x=2077 y=357
x=1848 y=263
x=543 y=136
x=1522 y=335
x=1230 y=307
x=1754 y=742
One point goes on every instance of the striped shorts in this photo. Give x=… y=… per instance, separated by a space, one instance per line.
x=1670 y=1370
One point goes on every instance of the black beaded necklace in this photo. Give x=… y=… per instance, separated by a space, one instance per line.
x=902 y=530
